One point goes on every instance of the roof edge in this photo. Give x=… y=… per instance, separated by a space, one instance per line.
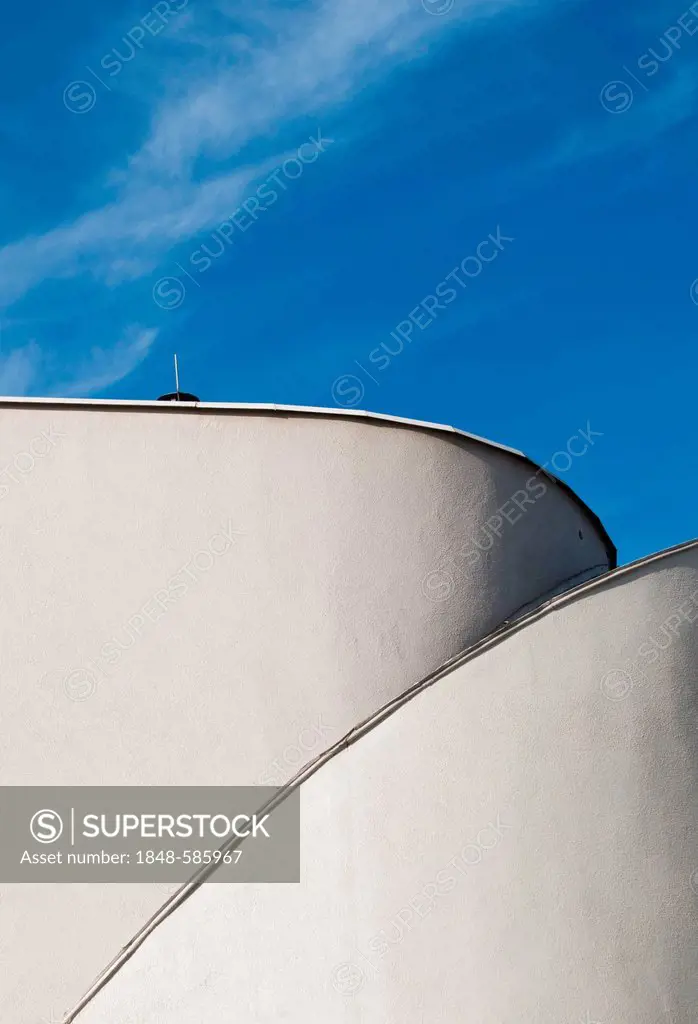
x=176 y=408
x=315 y=410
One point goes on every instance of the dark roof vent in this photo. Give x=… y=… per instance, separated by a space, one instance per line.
x=179 y=396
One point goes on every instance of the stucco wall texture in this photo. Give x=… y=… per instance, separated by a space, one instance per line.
x=219 y=595
x=515 y=842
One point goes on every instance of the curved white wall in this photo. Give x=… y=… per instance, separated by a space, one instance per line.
x=515 y=843
x=141 y=647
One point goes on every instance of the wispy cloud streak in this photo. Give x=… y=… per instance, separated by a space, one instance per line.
x=243 y=90
x=237 y=90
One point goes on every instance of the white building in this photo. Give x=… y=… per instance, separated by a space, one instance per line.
x=494 y=728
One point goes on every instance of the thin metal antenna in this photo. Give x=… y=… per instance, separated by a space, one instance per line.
x=178 y=396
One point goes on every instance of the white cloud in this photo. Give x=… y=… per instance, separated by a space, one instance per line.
x=25 y=370
x=106 y=367
x=19 y=370
x=237 y=88
x=234 y=91
x=651 y=116
x=124 y=238
x=316 y=58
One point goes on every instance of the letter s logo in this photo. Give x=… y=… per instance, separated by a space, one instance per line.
x=46 y=826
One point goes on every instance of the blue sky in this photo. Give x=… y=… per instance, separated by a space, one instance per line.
x=358 y=153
